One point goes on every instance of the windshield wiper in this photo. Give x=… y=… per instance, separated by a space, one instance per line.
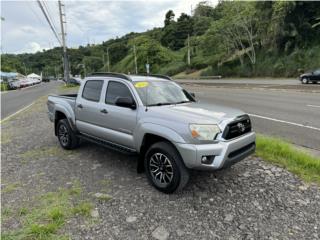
x=159 y=104
x=183 y=102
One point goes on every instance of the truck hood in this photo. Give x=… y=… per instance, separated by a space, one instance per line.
x=197 y=112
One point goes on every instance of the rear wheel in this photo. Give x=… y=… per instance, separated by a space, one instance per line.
x=165 y=168
x=305 y=80
x=67 y=138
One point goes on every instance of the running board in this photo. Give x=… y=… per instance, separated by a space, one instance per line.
x=107 y=144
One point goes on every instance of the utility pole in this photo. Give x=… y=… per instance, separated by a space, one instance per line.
x=135 y=58
x=103 y=61
x=189 y=60
x=65 y=57
x=108 y=60
x=25 y=69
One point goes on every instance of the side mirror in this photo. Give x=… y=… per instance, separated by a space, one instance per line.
x=125 y=102
x=192 y=94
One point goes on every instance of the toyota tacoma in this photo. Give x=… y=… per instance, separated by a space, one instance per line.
x=155 y=118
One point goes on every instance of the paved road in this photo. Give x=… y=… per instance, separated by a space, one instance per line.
x=13 y=101
x=287 y=114
x=263 y=81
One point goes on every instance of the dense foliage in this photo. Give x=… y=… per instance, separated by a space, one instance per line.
x=237 y=38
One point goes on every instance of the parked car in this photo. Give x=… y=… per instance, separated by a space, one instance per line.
x=154 y=117
x=75 y=81
x=46 y=79
x=24 y=83
x=14 y=84
x=312 y=76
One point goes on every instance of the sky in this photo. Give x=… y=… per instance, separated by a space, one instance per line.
x=24 y=28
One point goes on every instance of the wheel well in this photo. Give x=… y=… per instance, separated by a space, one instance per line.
x=58 y=116
x=148 y=140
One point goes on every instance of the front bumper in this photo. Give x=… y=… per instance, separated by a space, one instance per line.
x=225 y=153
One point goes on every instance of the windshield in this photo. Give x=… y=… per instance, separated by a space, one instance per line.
x=161 y=93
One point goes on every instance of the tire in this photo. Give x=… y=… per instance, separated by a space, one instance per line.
x=305 y=80
x=67 y=138
x=165 y=169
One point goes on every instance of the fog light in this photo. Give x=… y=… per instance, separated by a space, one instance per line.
x=207 y=159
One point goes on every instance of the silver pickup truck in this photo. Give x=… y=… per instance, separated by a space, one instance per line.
x=154 y=117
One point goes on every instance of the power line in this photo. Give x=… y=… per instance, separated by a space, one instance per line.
x=34 y=13
x=49 y=15
x=41 y=20
x=49 y=22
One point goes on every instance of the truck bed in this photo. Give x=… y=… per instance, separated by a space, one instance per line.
x=66 y=100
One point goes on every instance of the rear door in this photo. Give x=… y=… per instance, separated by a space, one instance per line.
x=88 y=107
x=317 y=75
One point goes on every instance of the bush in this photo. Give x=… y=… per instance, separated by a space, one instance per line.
x=4 y=86
x=173 y=69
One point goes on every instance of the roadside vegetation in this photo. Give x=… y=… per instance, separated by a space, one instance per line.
x=44 y=220
x=67 y=87
x=3 y=86
x=233 y=38
x=284 y=154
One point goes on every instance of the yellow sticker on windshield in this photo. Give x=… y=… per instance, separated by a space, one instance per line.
x=141 y=84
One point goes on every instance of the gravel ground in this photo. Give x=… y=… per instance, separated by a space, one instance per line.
x=251 y=200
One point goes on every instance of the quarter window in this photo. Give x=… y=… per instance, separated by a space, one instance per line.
x=92 y=90
x=115 y=90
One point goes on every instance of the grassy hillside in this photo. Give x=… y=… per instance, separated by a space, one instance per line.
x=245 y=39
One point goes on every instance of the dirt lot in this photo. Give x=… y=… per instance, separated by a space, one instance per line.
x=95 y=193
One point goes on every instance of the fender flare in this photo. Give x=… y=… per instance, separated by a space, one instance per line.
x=68 y=112
x=155 y=129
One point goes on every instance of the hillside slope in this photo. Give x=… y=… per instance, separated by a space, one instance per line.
x=231 y=39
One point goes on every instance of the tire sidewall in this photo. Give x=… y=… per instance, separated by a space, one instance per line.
x=176 y=171
x=65 y=123
x=305 y=80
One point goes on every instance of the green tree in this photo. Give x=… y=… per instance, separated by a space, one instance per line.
x=169 y=18
x=93 y=64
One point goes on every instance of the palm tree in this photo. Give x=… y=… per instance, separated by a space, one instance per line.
x=316 y=24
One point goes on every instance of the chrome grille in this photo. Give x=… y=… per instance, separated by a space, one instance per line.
x=237 y=128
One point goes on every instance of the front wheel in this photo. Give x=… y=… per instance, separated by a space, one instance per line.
x=305 y=80
x=165 y=168
x=67 y=138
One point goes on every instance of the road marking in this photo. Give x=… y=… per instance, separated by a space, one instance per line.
x=282 y=121
x=17 y=112
x=309 y=105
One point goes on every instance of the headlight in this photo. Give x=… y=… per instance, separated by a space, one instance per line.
x=204 y=131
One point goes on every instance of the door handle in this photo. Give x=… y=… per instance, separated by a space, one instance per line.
x=104 y=111
x=80 y=106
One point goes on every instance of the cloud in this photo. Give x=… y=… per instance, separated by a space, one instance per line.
x=25 y=28
x=31 y=47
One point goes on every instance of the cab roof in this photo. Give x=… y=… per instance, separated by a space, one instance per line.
x=132 y=78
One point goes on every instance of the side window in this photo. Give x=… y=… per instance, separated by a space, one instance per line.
x=92 y=90
x=115 y=90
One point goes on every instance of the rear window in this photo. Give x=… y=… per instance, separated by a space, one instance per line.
x=92 y=90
